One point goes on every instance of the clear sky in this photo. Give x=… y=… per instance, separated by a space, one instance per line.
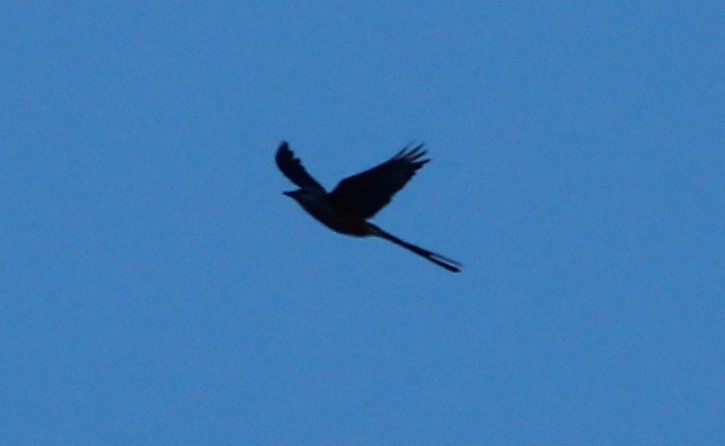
x=156 y=288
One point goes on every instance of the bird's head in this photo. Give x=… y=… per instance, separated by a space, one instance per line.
x=294 y=194
x=304 y=195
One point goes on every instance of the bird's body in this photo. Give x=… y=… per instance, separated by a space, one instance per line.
x=359 y=197
x=317 y=204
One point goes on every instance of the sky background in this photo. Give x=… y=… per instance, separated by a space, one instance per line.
x=156 y=288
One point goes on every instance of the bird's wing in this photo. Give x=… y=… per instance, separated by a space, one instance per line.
x=366 y=193
x=292 y=168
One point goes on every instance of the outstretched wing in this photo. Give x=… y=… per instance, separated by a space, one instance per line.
x=366 y=193
x=292 y=168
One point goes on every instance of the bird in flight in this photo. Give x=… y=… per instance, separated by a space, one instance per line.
x=357 y=198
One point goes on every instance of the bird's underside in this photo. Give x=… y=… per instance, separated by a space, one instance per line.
x=359 y=197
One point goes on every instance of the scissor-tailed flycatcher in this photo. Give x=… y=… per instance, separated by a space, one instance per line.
x=359 y=197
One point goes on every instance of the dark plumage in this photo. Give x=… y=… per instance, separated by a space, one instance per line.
x=359 y=197
x=366 y=193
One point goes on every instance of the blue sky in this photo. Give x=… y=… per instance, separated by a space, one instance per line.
x=156 y=287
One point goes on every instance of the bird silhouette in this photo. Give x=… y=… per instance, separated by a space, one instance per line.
x=357 y=198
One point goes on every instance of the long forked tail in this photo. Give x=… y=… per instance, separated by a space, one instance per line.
x=445 y=262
